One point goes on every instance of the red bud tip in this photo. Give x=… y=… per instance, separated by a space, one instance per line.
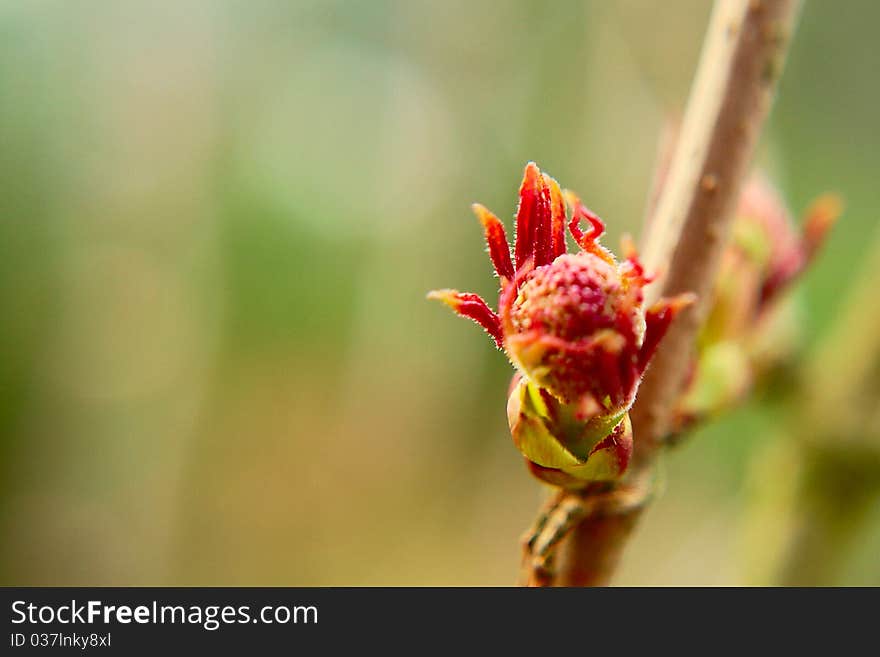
x=473 y=307
x=496 y=239
x=820 y=217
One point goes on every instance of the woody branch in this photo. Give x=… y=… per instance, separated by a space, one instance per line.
x=731 y=95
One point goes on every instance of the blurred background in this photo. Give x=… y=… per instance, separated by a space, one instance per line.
x=219 y=222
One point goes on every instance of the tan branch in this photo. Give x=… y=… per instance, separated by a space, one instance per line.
x=739 y=67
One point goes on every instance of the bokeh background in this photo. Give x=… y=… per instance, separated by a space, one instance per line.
x=219 y=221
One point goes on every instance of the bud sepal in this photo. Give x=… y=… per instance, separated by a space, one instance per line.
x=566 y=444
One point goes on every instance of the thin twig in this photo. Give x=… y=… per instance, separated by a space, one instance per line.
x=730 y=98
x=559 y=517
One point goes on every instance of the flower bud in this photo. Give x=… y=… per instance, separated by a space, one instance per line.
x=575 y=327
x=750 y=329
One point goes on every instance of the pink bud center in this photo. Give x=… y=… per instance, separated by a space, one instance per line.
x=571 y=298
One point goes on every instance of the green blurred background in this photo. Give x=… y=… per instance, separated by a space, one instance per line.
x=219 y=222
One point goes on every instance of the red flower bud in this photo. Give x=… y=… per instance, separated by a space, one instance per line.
x=749 y=332
x=574 y=325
